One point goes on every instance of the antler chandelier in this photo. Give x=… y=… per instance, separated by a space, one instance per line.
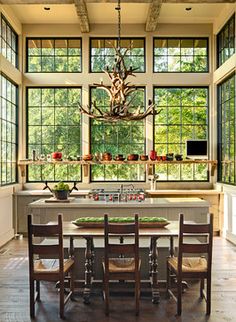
x=119 y=91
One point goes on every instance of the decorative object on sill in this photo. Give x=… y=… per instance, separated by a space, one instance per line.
x=143 y=157
x=132 y=157
x=119 y=91
x=179 y=157
x=169 y=156
x=153 y=155
x=153 y=178
x=57 y=156
x=88 y=157
x=106 y=156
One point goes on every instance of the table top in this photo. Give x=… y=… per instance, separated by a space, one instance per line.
x=71 y=230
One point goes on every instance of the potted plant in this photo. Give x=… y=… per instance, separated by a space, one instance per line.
x=61 y=191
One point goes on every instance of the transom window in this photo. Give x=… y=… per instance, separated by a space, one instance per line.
x=117 y=138
x=226 y=41
x=9 y=41
x=53 y=55
x=184 y=116
x=54 y=124
x=102 y=53
x=8 y=126
x=185 y=55
x=226 y=130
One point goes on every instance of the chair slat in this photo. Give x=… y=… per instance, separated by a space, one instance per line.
x=196 y=228
x=121 y=248
x=121 y=228
x=195 y=248
x=45 y=231
x=46 y=249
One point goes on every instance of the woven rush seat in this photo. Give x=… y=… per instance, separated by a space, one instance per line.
x=120 y=265
x=51 y=265
x=189 y=264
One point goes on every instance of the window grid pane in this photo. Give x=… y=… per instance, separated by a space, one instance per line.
x=117 y=138
x=183 y=116
x=226 y=130
x=9 y=42
x=54 y=124
x=54 y=55
x=102 y=53
x=8 y=128
x=226 y=41
x=183 y=55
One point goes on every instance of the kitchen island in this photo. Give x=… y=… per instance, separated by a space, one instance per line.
x=194 y=209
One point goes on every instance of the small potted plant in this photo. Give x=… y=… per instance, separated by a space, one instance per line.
x=61 y=191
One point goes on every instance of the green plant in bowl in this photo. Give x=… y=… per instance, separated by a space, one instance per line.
x=61 y=191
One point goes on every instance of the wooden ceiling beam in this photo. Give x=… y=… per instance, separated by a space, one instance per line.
x=82 y=13
x=109 y=1
x=153 y=15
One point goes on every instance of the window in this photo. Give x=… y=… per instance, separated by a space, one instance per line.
x=226 y=130
x=184 y=116
x=102 y=53
x=54 y=55
x=9 y=41
x=117 y=138
x=8 y=126
x=226 y=41
x=185 y=55
x=54 y=124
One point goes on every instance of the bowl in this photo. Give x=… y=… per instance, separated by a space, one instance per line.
x=143 y=157
x=132 y=157
x=87 y=157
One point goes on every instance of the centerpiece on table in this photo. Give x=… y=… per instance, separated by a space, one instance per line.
x=61 y=191
x=149 y=222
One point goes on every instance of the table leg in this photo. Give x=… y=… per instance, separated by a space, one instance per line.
x=154 y=271
x=88 y=269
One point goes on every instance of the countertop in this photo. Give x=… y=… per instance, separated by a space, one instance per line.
x=183 y=192
x=148 y=203
x=48 y=193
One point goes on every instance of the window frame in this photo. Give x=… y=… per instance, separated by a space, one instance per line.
x=181 y=38
x=208 y=137
x=90 y=145
x=116 y=38
x=15 y=51
x=52 y=38
x=27 y=137
x=16 y=130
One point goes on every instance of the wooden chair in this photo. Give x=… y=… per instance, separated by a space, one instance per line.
x=53 y=268
x=192 y=267
x=121 y=267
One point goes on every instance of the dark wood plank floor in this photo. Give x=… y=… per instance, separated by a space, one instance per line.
x=14 y=298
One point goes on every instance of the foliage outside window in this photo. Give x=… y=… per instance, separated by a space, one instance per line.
x=117 y=138
x=226 y=41
x=184 y=116
x=226 y=130
x=8 y=126
x=9 y=41
x=54 y=55
x=102 y=53
x=54 y=124
x=185 y=55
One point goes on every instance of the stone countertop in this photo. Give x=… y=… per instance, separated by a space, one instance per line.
x=183 y=192
x=48 y=193
x=148 y=203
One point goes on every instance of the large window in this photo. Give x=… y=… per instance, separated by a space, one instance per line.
x=8 y=126
x=102 y=53
x=54 y=55
x=117 y=138
x=226 y=41
x=185 y=55
x=226 y=130
x=183 y=116
x=54 y=124
x=9 y=41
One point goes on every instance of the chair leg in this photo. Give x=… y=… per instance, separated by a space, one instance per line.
x=106 y=294
x=137 y=294
x=201 y=288
x=167 y=280
x=62 y=297
x=32 y=307
x=208 y=297
x=179 y=295
x=72 y=281
x=38 y=290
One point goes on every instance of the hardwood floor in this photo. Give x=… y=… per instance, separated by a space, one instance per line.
x=14 y=295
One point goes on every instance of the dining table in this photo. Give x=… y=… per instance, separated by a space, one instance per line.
x=72 y=232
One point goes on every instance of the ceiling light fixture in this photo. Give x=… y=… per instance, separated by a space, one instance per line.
x=119 y=91
x=47 y=8
x=188 y=8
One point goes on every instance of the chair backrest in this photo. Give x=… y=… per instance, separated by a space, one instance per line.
x=43 y=230
x=192 y=230
x=121 y=229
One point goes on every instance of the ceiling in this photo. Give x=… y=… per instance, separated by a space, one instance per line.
x=105 y=13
